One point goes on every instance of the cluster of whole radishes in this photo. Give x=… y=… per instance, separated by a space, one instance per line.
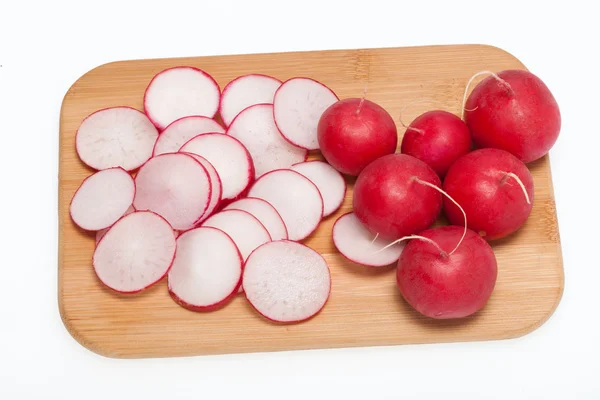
x=221 y=207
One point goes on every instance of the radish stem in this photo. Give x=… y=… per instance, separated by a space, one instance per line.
x=500 y=80
x=516 y=178
x=375 y=238
x=362 y=100
x=442 y=252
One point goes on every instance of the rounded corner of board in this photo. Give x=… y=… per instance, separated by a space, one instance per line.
x=499 y=50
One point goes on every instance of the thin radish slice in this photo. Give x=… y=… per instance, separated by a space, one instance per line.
x=256 y=129
x=136 y=252
x=229 y=157
x=298 y=106
x=215 y=186
x=207 y=270
x=100 y=234
x=175 y=186
x=180 y=92
x=245 y=91
x=359 y=245
x=265 y=213
x=295 y=197
x=115 y=137
x=102 y=199
x=286 y=281
x=180 y=131
x=328 y=180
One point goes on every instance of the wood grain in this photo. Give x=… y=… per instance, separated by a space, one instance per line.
x=365 y=308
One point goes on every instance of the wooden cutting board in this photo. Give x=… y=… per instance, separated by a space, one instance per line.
x=365 y=307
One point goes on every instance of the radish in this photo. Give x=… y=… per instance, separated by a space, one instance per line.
x=393 y=196
x=229 y=157
x=207 y=270
x=181 y=92
x=331 y=183
x=352 y=133
x=180 y=131
x=358 y=245
x=437 y=138
x=136 y=252
x=297 y=107
x=265 y=213
x=494 y=188
x=515 y=111
x=102 y=199
x=245 y=91
x=115 y=137
x=256 y=129
x=175 y=186
x=100 y=234
x=215 y=186
x=286 y=281
x=295 y=197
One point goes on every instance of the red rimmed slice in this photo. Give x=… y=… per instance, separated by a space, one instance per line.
x=265 y=213
x=215 y=185
x=328 y=180
x=100 y=234
x=180 y=131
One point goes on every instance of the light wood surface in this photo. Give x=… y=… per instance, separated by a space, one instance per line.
x=365 y=307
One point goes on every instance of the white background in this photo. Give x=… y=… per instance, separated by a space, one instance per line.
x=46 y=46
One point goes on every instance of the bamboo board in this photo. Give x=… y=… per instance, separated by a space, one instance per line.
x=365 y=308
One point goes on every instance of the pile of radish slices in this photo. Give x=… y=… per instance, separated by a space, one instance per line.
x=211 y=189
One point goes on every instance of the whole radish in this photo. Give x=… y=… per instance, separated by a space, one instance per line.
x=354 y=132
x=392 y=197
x=514 y=111
x=494 y=188
x=437 y=138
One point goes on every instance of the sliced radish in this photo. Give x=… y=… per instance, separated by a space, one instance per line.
x=245 y=91
x=100 y=234
x=136 y=252
x=229 y=157
x=175 y=186
x=180 y=92
x=102 y=199
x=286 y=281
x=207 y=270
x=115 y=137
x=359 y=245
x=328 y=180
x=295 y=197
x=180 y=131
x=256 y=129
x=215 y=186
x=298 y=106
x=265 y=213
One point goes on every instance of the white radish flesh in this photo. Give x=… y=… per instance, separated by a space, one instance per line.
x=330 y=183
x=102 y=199
x=100 y=234
x=135 y=253
x=215 y=186
x=207 y=269
x=175 y=186
x=180 y=92
x=115 y=137
x=180 y=131
x=286 y=281
x=245 y=91
x=256 y=129
x=298 y=106
x=265 y=213
x=295 y=197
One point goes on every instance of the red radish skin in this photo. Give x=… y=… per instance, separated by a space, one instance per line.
x=265 y=213
x=389 y=200
x=441 y=285
x=494 y=201
x=182 y=130
x=216 y=187
x=331 y=183
x=515 y=111
x=438 y=138
x=354 y=132
x=100 y=234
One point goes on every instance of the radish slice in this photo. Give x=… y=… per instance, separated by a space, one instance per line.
x=328 y=180
x=298 y=106
x=180 y=92
x=265 y=213
x=245 y=91
x=286 y=281
x=215 y=185
x=229 y=157
x=359 y=245
x=256 y=129
x=115 y=137
x=136 y=252
x=102 y=199
x=100 y=234
x=180 y=131
x=295 y=197
x=175 y=186
x=207 y=270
